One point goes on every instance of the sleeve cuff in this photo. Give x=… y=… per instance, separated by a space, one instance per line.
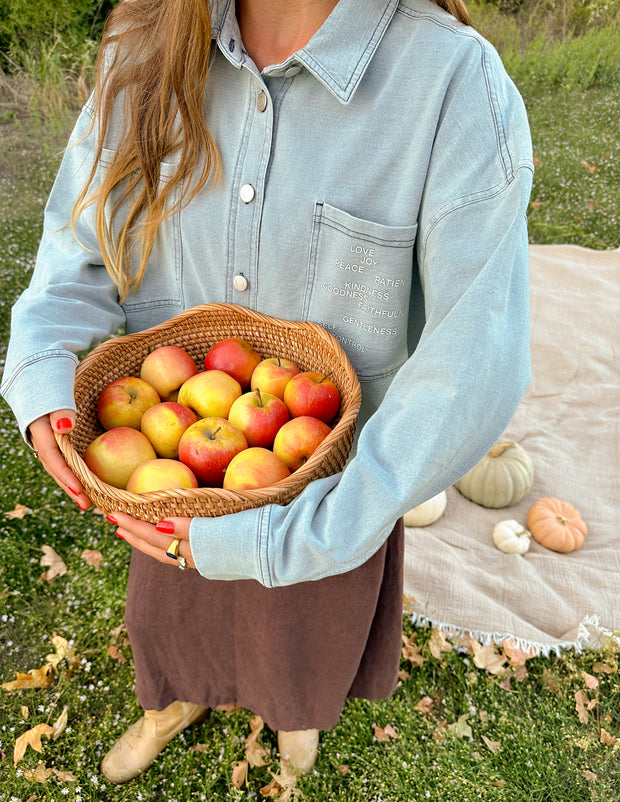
x=41 y=386
x=229 y=546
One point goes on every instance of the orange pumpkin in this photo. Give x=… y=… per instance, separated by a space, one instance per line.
x=556 y=524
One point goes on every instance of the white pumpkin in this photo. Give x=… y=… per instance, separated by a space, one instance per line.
x=428 y=512
x=503 y=477
x=511 y=537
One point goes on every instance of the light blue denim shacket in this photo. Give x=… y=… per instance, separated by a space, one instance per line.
x=376 y=182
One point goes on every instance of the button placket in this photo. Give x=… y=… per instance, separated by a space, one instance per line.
x=252 y=173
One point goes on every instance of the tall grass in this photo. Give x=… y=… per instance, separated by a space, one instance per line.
x=547 y=43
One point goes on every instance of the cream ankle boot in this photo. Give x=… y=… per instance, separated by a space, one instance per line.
x=137 y=748
x=298 y=750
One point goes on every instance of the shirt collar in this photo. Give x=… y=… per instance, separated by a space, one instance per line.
x=337 y=55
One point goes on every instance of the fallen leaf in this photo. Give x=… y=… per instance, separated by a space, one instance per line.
x=602 y=668
x=39 y=775
x=386 y=734
x=607 y=738
x=439 y=733
x=588 y=775
x=425 y=705
x=283 y=787
x=199 y=748
x=228 y=708
x=590 y=680
x=343 y=770
x=31 y=738
x=516 y=656
x=255 y=752
x=492 y=746
x=19 y=511
x=56 y=565
x=519 y=673
x=438 y=643
x=91 y=557
x=35 y=678
x=505 y=684
x=461 y=728
x=589 y=167
x=404 y=675
x=499 y=783
x=487 y=657
x=239 y=773
x=114 y=653
x=411 y=651
x=477 y=756
x=25 y=712
x=64 y=651
x=60 y=723
x=581 y=707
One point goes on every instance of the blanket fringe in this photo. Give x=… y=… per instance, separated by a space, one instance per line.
x=590 y=636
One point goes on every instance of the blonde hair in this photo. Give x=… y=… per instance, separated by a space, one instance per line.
x=155 y=56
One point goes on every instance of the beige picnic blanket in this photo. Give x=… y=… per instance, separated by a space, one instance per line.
x=569 y=423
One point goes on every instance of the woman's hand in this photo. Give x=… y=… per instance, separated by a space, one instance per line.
x=49 y=455
x=169 y=537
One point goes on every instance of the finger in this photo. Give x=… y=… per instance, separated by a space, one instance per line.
x=179 y=527
x=147 y=539
x=46 y=448
x=63 y=421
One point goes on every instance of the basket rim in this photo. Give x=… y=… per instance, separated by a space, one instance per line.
x=301 y=476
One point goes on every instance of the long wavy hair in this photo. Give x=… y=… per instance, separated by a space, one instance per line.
x=154 y=58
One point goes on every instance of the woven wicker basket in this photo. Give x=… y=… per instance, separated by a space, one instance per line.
x=310 y=346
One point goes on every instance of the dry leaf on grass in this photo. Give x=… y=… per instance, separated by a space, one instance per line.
x=492 y=746
x=114 y=653
x=25 y=712
x=515 y=656
x=282 y=787
x=60 y=724
x=239 y=773
x=64 y=651
x=438 y=643
x=31 y=738
x=602 y=668
x=590 y=680
x=42 y=774
x=255 y=752
x=588 y=775
x=583 y=705
x=607 y=738
x=425 y=705
x=411 y=651
x=56 y=564
x=91 y=557
x=486 y=657
x=35 y=678
x=387 y=733
x=461 y=728
x=18 y=512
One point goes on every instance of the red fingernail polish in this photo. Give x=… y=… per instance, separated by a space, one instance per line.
x=80 y=506
x=63 y=423
x=111 y=519
x=73 y=490
x=167 y=527
x=119 y=535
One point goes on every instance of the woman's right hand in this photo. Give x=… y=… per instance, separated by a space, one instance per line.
x=42 y=438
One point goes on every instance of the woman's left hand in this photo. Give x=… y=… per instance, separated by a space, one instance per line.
x=168 y=537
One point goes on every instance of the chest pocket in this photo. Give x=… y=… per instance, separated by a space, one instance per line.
x=359 y=283
x=161 y=288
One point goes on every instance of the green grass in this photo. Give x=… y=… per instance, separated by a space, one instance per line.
x=537 y=749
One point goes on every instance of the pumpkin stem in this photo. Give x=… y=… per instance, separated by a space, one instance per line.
x=561 y=519
x=499 y=448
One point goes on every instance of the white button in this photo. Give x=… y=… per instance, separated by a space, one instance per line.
x=291 y=71
x=247 y=193
x=261 y=101
x=240 y=282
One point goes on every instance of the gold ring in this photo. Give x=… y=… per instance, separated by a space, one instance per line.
x=182 y=563
x=173 y=550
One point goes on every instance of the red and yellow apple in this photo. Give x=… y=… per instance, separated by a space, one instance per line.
x=164 y=424
x=311 y=393
x=123 y=402
x=166 y=368
x=255 y=467
x=234 y=356
x=207 y=447
x=258 y=415
x=273 y=374
x=161 y=474
x=114 y=455
x=210 y=393
x=298 y=439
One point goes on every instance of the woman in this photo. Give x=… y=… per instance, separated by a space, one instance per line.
x=363 y=165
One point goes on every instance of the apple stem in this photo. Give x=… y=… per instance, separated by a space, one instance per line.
x=260 y=398
x=212 y=436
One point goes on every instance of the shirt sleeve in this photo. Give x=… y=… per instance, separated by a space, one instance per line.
x=456 y=393
x=71 y=302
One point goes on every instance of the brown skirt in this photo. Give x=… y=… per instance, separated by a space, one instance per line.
x=291 y=655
